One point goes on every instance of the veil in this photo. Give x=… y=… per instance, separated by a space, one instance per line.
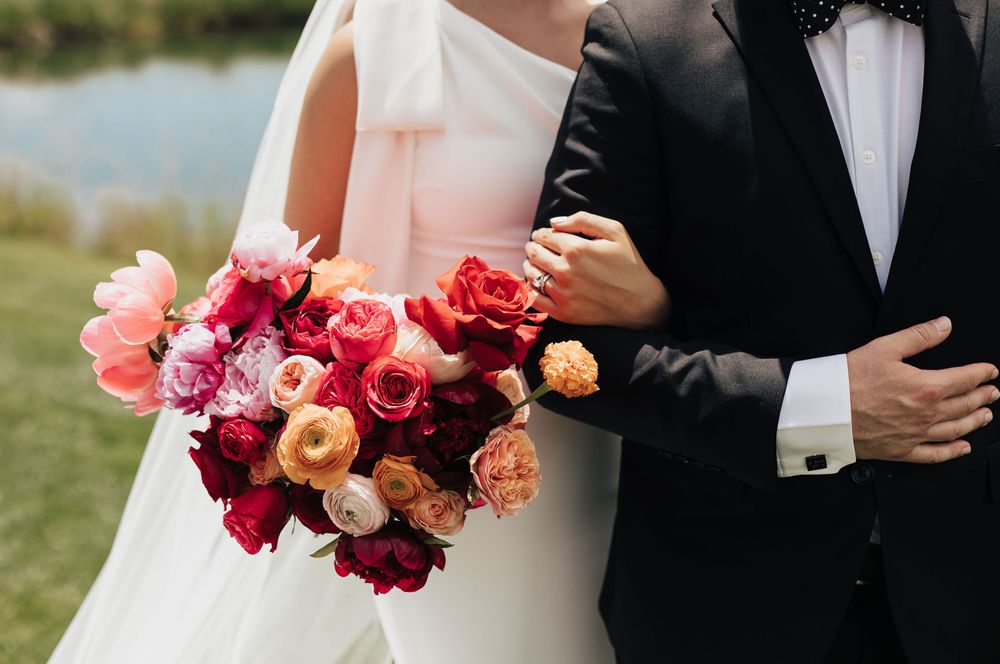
x=175 y=587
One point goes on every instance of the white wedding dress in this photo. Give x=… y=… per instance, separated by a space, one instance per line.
x=455 y=126
x=455 y=123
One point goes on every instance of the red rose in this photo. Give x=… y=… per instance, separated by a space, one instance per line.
x=222 y=478
x=239 y=304
x=306 y=328
x=361 y=331
x=395 y=389
x=341 y=386
x=242 y=440
x=257 y=516
x=307 y=506
x=394 y=557
x=486 y=312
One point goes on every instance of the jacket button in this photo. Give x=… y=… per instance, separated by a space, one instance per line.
x=862 y=473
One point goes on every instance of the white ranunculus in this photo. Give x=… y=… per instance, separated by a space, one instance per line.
x=355 y=506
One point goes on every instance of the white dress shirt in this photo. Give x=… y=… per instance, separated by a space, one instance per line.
x=871 y=68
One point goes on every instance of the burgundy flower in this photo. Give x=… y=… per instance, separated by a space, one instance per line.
x=257 y=516
x=242 y=440
x=341 y=386
x=223 y=479
x=307 y=506
x=306 y=330
x=394 y=557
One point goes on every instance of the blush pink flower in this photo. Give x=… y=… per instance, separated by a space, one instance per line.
x=246 y=391
x=355 y=506
x=138 y=298
x=295 y=381
x=506 y=470
x=192 y=368
x=123 y=370
x=270 y=250
x=415 y=344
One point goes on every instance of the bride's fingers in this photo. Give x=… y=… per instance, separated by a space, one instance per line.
x=545 y=259
x=553 y=292
x=545 y=304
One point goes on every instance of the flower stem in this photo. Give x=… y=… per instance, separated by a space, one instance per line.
x=543 y=389
x=175 y=318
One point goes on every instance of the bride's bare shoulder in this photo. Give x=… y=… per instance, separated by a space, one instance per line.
x=335 y=78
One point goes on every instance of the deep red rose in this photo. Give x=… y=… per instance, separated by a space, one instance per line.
x=341 y=386
x=223 y=479
x=307 y=506
x=394 y=557
x=241 y=440
x=486 y=311
x=257 y=516
x=395 y=389
x=306 y=328
x=361 y=331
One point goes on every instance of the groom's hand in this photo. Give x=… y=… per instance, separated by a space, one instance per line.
x=901 y=413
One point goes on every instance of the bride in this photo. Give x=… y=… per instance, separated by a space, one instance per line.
x=414 y=135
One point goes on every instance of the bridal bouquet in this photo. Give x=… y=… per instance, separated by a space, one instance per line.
x=379 y=418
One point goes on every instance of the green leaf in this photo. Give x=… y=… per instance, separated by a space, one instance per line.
x=439 y=543
x=300 y=294
x=326 y=550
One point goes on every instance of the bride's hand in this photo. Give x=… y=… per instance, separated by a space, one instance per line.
x=597 y=275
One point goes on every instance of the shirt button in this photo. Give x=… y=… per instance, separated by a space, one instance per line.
x=877 y=257
x=868 y=157
x=863 y=473
x=860 y=62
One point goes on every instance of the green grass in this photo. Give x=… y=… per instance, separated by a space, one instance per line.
x=69 y=451
x=51 y=22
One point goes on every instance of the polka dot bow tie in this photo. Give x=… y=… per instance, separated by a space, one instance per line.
x=814 y=17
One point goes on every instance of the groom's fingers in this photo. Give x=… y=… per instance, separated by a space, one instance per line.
x=588 y=224
x=937 y=452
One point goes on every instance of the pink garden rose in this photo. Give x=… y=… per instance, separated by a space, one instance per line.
x=361 y=331
x=395 y=389
x=192 y=368
x=270 y=250
x=123 y=370
x=295 y=381
x=246 y=391
x=355 y=506
x=506 y=470
x=138 y=298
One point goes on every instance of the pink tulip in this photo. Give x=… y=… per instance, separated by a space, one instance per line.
x=138 y=298
x=123 y=370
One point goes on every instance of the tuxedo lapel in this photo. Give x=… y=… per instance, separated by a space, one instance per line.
x=776 y=55
x=953 y=35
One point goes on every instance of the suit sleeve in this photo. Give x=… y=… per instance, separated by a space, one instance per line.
x=696 y=398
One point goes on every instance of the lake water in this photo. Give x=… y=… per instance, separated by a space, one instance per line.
x=182 y=119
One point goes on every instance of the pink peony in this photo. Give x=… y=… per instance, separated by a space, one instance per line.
x=123 y=370
x=138 y=298
x=192 y=368
x=270 y=250
x=245 y=391
x=506 y=470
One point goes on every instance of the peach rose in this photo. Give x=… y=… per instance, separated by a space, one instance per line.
x=318 y=445
x=266 y=470
x=331 y=277
x=295 y=381
x=569 y=369
x=506 y=470
x=509 y=384
x=399 y=483
x=438 y=513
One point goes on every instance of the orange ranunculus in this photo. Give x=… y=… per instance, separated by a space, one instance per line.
x=331 y=277
x=318 y=445
x=399 y=483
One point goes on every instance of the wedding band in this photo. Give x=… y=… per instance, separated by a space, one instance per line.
x=541 y=281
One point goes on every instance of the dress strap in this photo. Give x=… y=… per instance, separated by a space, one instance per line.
x=397 y=50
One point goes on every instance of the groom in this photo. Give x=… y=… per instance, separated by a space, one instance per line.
x=808 y=475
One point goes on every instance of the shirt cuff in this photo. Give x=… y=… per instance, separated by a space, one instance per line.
x=814 y=427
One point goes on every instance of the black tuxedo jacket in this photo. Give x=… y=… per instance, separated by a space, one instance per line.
x=703 y=128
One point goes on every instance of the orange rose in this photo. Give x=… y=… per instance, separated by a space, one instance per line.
x=331 y=277
x=318 y=445
x=266 y=470
x=506 y=470
x=399 y=483
x=438 y=513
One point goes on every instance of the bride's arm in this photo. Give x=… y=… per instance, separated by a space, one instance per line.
x=596 y=275
x=321 y=162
